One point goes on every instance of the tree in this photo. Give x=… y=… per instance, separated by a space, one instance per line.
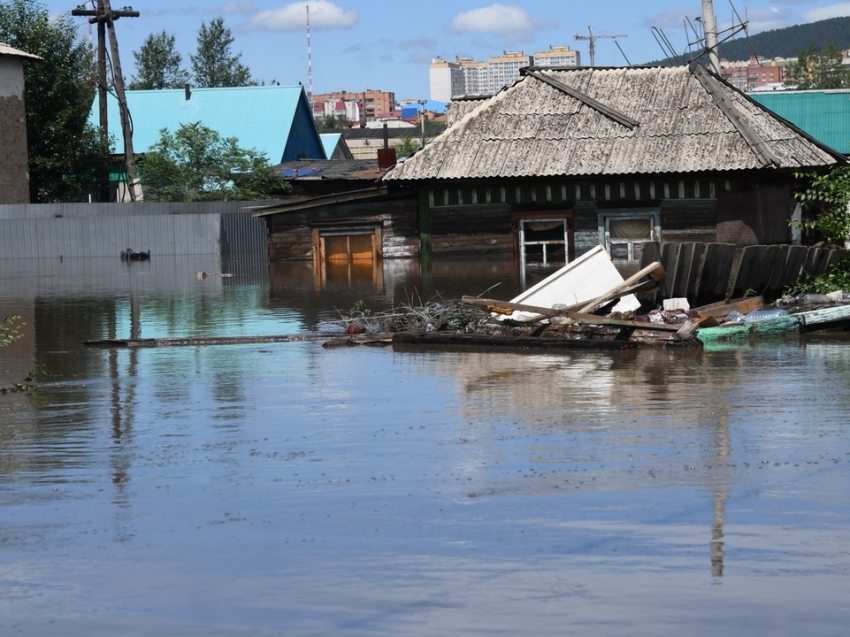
x=826 y=199
x=214 y=64
x=408 y=146
x=65 y=152
x=158 y=64
x=197 y=164
x=814 y=70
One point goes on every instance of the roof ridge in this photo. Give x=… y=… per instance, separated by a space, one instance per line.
x=609 y=112
x=758 y=145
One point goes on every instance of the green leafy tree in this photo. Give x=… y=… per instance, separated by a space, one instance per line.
x=158 y=64
x=65 y=152
x=196 y=164
x=408 y=146
x=214 y=64
x=814 y=70
x=825 y=200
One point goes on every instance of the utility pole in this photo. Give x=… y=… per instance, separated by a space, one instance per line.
x=592 y=38
x=710 y=23
x=105 y=18
x=422 y=119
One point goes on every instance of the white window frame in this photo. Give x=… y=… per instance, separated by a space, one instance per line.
x=523 y=243
x=604 y=227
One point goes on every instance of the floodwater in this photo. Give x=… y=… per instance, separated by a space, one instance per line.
x=287 y=489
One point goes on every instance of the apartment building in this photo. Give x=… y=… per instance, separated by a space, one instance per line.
x=466 y=76
x=557 y=56
x=754 y=73
x=371 y=103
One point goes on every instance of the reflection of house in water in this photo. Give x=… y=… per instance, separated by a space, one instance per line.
x=588 y=408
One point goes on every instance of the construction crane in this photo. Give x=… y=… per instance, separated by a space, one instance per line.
x=592 y=38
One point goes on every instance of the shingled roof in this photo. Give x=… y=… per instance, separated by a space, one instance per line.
x=626 y=121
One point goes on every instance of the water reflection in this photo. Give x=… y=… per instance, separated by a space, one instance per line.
x=382 y=491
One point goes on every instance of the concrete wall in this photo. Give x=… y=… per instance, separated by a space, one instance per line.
x=14 y=170
x=104 y=230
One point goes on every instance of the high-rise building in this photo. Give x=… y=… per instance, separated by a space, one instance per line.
x=557 y=56
x=465 y=76
x=446 y=79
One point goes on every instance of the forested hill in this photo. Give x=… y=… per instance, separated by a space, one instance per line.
x=785 y=43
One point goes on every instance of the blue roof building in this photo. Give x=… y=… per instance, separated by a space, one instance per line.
x=275 y=120
x=823 y=114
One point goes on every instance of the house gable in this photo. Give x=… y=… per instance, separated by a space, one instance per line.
x=274 y=120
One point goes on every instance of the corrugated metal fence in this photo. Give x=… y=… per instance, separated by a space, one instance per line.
x=99 y=230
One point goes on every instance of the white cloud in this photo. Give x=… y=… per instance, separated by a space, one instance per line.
x=840 y=10
x=510 y=22
x=293 y=17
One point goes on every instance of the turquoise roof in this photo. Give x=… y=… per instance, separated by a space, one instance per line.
x=329 y=141
x=824 y=115
x=275 y=120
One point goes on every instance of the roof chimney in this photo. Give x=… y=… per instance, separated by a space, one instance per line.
x=386 y=155
x=187 y=91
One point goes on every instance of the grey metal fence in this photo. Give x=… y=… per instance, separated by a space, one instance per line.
x=98 y=230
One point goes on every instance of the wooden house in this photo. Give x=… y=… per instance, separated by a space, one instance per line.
x=566 y=159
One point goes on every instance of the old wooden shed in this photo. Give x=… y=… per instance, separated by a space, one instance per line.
x=566 y=159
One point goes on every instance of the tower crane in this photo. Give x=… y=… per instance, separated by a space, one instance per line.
x=592 y=38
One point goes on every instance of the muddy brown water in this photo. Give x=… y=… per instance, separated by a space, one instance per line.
x=288 y=489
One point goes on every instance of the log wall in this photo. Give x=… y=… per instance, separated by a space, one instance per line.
x=291 y=234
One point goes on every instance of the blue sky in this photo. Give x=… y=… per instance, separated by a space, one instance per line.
x=388 y=45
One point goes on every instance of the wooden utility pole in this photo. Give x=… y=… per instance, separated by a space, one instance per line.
x=105 y=18
x=592 y=38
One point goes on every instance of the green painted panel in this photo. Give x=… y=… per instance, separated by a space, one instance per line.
x=825 y=115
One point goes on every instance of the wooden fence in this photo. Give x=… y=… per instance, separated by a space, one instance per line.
x=708 y=272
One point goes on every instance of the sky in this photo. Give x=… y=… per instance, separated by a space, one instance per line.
x=358 y=45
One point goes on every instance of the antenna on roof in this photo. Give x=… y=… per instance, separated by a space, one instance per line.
x=706 y=39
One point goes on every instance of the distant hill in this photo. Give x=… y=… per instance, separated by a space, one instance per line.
x=784 y=43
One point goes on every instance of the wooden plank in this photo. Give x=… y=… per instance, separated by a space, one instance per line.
x=654 y=270
x=716 y=270
x=794 y=264
x=777 y=326
x=131 y=343
x=825 y=317
x=670 y=252
x=776 y=280
x=508 y=307
x=516 y=342
x=651 y=252
x=695 y=271
x=723 y=308
x=817 y=261
x=592 y=319
x=678 y=286
x=835 y=256
x=748 y=275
